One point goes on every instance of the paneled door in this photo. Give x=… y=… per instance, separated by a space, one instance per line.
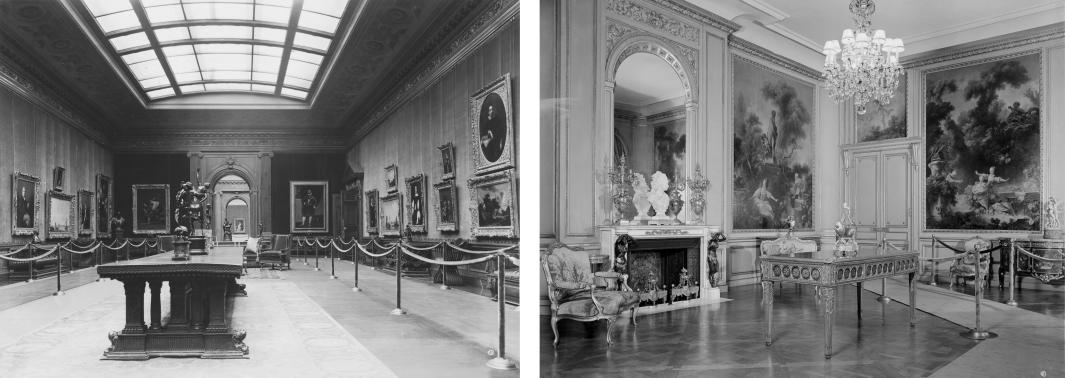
x=880 y=193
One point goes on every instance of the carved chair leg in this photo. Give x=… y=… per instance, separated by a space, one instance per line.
x=609 y=328
x=554 y=327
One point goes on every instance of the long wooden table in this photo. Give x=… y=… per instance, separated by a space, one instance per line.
x=198 y=324
x=826 y=273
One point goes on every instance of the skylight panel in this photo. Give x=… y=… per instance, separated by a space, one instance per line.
x=138 y=57
x=118 y=21
x=327 y=7
x=165 y=13
x=263 y=88
x=297 y=94
x=279 y=3
x=152 y=3
x=224 y=62
x=264 y=76
x=178 y=50
x=155 y=82
x=270 y=34
x=101 y=7
x=218 y=11
x=161 y=93
x=223 y=48
x=320 y=22
x=194 y=88
x=306 y=57
x=220 y=32
x=269 y=13
x=297 y=82
x=269 y=64
x=172 y=34
x=243 y=76
x=302 y=70
x=268 y=50
x=314 y=42
x=130 y=40
x=227 y=87
x=147 y=69
x=183 y=78
x=183 y=63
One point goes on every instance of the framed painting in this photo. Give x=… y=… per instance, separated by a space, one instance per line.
x=494 y=208
x=391 y=178
x=392 y=215
x=884 y=121
x=447 y=161
x=104 y=206
x=773 y=148
x=416 y=203
x=240 y=226
x=25 y=203
x=492 y=127
x=983 y=137
x=372 y=204
x=151 y=209
x=86 y=213
x=352 y=190
x=58 y=176
x=61 y=216
x=308 y=207
x=447 y=213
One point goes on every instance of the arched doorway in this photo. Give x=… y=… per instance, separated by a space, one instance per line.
x=237 y=209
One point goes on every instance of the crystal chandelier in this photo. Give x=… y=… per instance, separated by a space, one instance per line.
x=868 y=68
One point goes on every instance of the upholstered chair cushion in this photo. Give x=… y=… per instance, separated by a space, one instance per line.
x=252 y=246
x=569 y=270
x=614 y=302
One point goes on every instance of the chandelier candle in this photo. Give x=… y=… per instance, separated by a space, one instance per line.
x=868 y=67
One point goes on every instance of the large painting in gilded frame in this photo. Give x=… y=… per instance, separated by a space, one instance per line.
x=372 y=205
x=62 y=216
x=25 y=204
x=447 y=211
x=391 y=209
x=151 y=209
x=104 y=206
x=416 y=201
x=983 y=145
x=773 y=148
x=308 y=207
x=86 y=213
x=492 y=127
x=884 y=121
x=494 y=205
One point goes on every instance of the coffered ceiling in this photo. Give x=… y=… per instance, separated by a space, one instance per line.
x=385 y=40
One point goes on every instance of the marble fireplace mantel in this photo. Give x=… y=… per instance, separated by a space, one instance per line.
x=609 y=233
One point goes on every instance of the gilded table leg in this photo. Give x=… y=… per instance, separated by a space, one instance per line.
x=767 y=307
x=828 y=297
x=913 y=300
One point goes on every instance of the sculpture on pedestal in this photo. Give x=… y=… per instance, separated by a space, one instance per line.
x=659 y=198
x=639 y=197
x=1052 y=224
x=712 y=264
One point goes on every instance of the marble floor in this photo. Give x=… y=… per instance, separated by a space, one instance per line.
x=726 y=340
x=300 y=323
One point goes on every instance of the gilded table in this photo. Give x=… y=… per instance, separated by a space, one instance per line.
x=199 y=324
x=826 y=273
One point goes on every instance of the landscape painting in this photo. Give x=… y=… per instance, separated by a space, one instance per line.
x=884 y=121
x=773 y=148
x=983 y=146
x=494 y=207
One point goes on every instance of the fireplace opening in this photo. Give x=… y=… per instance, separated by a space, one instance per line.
x=658 y=268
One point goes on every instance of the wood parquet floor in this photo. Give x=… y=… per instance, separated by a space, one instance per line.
x=726 y=340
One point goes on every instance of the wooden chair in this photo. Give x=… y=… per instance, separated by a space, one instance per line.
x=573 y=293
x=965 y=268
x=787 y=245
x=278 y=256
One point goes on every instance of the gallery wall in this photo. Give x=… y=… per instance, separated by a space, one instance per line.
x=139 y=169
x=287 y=167
x=33 y=140
x=409 y=137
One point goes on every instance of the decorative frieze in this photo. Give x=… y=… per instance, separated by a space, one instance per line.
x=955 y=54
x=654 y=19
x=740 y=44
x=183 y=141
x=706 y=18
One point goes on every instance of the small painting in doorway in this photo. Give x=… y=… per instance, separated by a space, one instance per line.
x=239 y=226
x=309 y=206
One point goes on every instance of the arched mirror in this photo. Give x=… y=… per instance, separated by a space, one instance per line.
x=650 y=119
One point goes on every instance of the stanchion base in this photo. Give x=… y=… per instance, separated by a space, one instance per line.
x=58 y=293
x=398 y=311
x=30 y=280
x=356 y=289
x=317 y=269
x=332 y=277
x=501 y=364
x=1012 y=303
x=445 y=287
x=978 y=335
x=933 y=283
x=883 y=299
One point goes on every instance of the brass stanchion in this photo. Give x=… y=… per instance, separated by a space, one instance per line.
x=59 y=271
x=399 y=309
x=355 y=258
x=501 y=361
x=31 y=262
x=1013 y=272
x=443 y=268
x=314 y=246
x=976 y=333
x=934 y=262
x=332 y=264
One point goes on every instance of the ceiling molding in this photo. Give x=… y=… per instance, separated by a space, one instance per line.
x=769 y=10
x=251 y=141
x=786 y=32
x=974 y=24
x=491 y=21
x=1010 y=41
x=699 y=14
x=743 y=45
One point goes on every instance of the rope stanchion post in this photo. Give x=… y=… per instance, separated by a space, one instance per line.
x=314 y=246
x=1013 y=271
x=399 y=259
x=58 y=272
x=355 y=258
x=934 y=261
x=443 y=269
x=976 y=333
x=500 y=361
x=32 y=247
x=332 y=262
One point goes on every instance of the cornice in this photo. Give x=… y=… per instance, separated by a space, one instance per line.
x=496 y=17
x=1014 y=41
x=740 y=44
x=170 y=141
x=707 y=18
x=654 y=19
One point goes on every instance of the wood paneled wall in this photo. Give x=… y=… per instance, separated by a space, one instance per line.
x=440 y=114
x=34 y=141
x=302 y=167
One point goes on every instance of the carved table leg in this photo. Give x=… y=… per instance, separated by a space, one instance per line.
x=134 y=306
x=913 y=300
x=767 y=307
x=828 y=296
x=196 y=308
x=216 y=306
x=179 y=311
x=156 y=317
x=859 y=300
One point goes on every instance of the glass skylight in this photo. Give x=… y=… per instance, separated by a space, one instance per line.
x=180 y=47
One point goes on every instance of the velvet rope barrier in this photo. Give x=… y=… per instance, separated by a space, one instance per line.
x=446 y=263
x=460 y=249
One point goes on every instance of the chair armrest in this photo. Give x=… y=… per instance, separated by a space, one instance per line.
x=570 y=285
x=608 y=274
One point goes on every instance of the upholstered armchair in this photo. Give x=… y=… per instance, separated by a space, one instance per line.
x=277 y=256
x=575 y=294
x=965 y=267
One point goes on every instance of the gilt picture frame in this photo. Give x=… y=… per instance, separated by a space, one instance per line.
x=308 y=207
x=373 y=200
x=25 y=204
x=151 y=209
x=446 y=206
x=447 y=161
x=494 y=205
x=492 y=127
x=86 y=213
x=104 y=206
x=416 y=204
x=62 y=215
x=391 y=210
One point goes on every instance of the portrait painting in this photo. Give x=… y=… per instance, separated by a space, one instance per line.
x=151 y=209
x=86 y=206
x=982 y=138
x=239 y=226
x=58 y=176
x=391 y=178
x=494 y=209
x=773 y=148
x=447 y=214
x=492 y=127
x=416 y=203
x=447 y=161
x=372 y=203
x=884 y=121
x=104 y=206
x=25 y=204
x=392 y=215
x=308 y=207
x=60 y=216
